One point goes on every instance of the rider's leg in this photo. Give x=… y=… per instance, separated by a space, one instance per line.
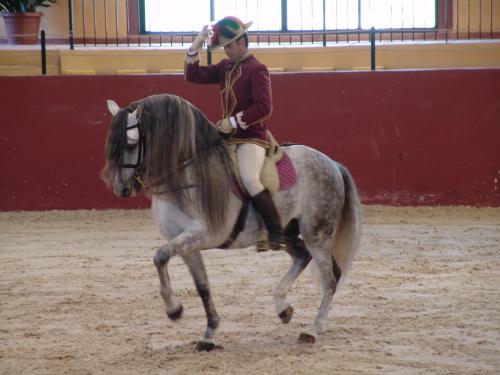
x=250 y=159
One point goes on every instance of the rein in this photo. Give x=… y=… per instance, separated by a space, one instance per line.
x=138 y=166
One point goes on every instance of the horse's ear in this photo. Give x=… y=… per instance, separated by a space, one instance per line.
x=113 y=107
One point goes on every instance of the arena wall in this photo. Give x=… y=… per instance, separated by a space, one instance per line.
x=408 y=137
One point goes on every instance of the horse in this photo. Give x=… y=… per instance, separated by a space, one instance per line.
x=165 y=143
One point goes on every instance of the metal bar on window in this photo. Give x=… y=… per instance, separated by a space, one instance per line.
x=83 y=23
x=324 y=23
x=457 y=18
x=446 y=19
x=402 y=24
x=359 y=21
x=139 y=21
x=284 y=15
x=347 y=28
x=336 y=20
x=128 y=22
x=468 y=19
x=71 y=31
x=437 y=21
x=95 y=23
x=391 y=22
x=491 y=19
x=480 y=19
x=116 y=21
x=105 y=23
x=372 y=48
x=413 y=19
x=359 y=14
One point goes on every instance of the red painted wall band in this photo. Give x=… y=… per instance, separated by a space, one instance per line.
x=408 y=137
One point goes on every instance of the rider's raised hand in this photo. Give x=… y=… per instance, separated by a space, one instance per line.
x=200 y=38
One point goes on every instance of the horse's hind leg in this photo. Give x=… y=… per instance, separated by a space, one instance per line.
x=196 y=266
x=301 y=258
x=326 y=267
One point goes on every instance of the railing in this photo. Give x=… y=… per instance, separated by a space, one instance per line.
x=115 y=23
x=457 y=20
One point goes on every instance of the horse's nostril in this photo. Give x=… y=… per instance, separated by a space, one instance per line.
x=126 y=192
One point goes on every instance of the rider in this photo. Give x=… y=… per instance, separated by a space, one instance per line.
x=246 y=102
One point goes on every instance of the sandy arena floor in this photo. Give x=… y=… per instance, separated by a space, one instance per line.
x=79 y=295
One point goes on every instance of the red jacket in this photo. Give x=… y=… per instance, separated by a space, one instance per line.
x=245 y=93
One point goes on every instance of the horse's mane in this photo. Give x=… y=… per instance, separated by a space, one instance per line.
x=185 y=160
x=116 y=142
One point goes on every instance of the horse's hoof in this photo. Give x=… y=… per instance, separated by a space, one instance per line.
x=306 y=338
x=175 y=315
x=204 y=346
x=286 y=315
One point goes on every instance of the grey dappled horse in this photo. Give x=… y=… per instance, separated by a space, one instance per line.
x=167 y=144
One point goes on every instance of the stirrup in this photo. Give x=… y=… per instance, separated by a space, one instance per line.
x=262 y=244
x=277 y=241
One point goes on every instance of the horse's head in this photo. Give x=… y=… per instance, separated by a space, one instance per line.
x=124 y=151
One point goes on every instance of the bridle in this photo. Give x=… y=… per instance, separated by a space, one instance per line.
x=141 y=153
x=138 y=166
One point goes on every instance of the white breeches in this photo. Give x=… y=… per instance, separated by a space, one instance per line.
x=251 y=159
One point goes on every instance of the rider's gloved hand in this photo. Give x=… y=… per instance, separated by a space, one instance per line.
x=200 y=38
x=225 y=125
x=192 y=55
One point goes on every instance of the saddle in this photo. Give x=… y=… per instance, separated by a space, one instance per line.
x=278 y=172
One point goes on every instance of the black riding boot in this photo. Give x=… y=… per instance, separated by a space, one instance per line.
x=264 y=204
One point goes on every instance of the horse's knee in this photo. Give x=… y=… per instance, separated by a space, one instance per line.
x=160 y=259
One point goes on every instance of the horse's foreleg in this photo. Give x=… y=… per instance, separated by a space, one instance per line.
x=196 y=266
x=188 y=244
x=301 y=259
x=177 y=245
x=173 y=306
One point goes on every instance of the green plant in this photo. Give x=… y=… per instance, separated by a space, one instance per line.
x=23 y=6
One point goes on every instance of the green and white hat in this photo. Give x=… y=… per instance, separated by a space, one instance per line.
x=226 y=30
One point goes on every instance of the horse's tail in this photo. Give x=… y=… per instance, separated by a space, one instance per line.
x=348 y=232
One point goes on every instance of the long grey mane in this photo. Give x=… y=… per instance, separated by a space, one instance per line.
x=185 y=161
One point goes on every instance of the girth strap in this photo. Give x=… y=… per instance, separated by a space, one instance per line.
x=239 y=225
